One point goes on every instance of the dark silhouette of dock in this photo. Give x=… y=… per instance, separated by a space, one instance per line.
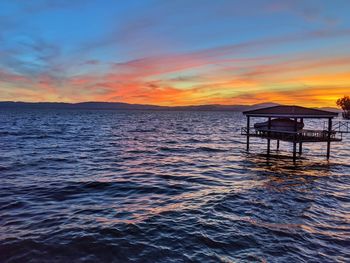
x=286 y=123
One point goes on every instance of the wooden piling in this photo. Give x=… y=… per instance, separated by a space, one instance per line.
x=295 y=139
x=248 y=125
x=329 y=138
x=269 y=136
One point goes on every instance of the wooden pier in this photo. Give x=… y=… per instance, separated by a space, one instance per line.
x=293 y=134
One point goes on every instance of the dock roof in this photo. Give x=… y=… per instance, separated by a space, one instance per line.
x=290 y=112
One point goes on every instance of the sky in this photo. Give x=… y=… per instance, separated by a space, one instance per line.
x=179 y=52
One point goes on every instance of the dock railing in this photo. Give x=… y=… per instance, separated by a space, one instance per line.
x=301 y=135
x=339 y=126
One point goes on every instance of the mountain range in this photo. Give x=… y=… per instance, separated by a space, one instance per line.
x=127 y=106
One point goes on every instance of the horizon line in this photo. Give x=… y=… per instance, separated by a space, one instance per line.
x=165 y=106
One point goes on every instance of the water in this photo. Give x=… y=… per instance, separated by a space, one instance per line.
x=132 y=186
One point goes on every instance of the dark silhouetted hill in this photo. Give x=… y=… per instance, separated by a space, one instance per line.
x=127 y=106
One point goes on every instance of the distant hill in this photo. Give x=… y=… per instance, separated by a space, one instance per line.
x=330 y=109
x=218 y=107
x=81 y=106
x=127 y=106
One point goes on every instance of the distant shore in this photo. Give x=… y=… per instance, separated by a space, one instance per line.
x=127 y=106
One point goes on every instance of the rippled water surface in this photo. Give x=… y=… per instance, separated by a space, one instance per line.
x=130 y=186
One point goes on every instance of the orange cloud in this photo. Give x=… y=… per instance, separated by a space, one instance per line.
x=201 y=77
x=307 y=96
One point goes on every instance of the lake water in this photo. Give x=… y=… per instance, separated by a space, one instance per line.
x=131 y=186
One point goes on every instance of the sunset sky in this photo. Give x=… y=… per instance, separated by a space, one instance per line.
x=184 y=52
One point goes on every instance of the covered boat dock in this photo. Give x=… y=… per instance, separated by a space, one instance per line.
x=286 y=123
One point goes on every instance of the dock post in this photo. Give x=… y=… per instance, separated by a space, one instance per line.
x=300 y=140
x=268 y=137
x=248 y=125
x=294 y=151
x=294 y=140
x=278 y=145
x=329 y=138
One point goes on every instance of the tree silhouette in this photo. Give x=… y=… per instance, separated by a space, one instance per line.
x=344 y=103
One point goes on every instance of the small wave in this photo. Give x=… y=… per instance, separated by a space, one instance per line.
x=14 y=133
x=209 y=149
x=4 y=133
x=112 y=189
x=143 y=130
x=12 y=205
x=171 y=142
x=140 y=151
x=4 y=168
x=193 y=140
x=172 y=149
x=59 y=159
